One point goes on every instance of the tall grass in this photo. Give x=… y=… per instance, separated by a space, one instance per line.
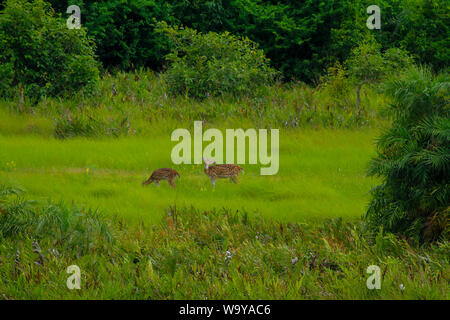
x=223 y=254
x=68 y=227
x=130 y=103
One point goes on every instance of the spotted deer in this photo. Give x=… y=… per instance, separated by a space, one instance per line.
x=162 y=174
x=221 y=171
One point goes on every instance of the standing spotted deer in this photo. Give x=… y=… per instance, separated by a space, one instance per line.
x=162 y=174
x=221 y=171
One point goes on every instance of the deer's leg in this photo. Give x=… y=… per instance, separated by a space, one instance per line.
x=157 y=183
x=171 y=182
x=213 y=181
x=234 y=179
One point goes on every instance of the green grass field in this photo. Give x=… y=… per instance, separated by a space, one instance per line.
x=302 y=238
x=294 y=235
x=322 y=175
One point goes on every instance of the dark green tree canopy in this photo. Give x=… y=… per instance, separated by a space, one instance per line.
x=301 y=38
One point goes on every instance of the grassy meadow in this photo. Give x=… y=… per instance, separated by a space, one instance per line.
x=97 y=152
x=107 y=173
x=71 y=174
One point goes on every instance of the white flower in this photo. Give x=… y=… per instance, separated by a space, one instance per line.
x=228 y=256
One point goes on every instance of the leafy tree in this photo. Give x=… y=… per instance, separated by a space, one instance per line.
x=40 y=55
x=413 y=159
x=367 y=65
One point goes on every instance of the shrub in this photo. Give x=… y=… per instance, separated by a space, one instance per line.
x=413 y=159
x=213 y=64
x=337 y=84
x=41 y=55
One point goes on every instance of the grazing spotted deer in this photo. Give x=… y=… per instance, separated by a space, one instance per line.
x=162 y=174
x=221 y=171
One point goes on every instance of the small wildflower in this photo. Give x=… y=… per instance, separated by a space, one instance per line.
x=17 y=261
x=228 y=256
x=36 y=247
x=38 y=251
x=295 y=260
x=55 y=253
x=402 y=287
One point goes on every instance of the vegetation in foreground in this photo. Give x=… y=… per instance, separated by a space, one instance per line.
x=216 y=254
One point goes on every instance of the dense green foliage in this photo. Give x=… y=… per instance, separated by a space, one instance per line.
x=302 y=38
x=202 y=65
x=215 y=254
x=414 y=159
x=40 y=55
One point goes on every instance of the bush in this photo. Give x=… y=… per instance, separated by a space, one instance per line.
x=414 y=159
x=41 y=55
x=212 y=64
